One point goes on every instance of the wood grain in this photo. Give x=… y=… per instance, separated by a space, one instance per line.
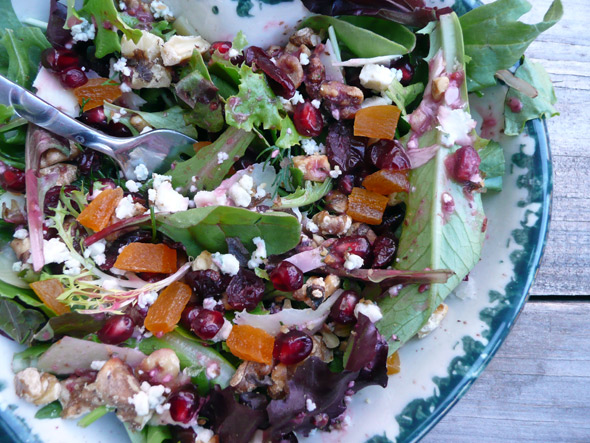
x=537 y=387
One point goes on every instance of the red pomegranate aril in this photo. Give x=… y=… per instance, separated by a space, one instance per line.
x=189 y=313
x=463 y=164
x=221 y=47
x=184 y=404
x=342 y=311
x=384 y=248
x=292 y=347
x=73 y=78
x=59 y=59
x=95 y=117
x=48 y=58
x=116 y=330
x=407 y=70
x=245 y=290
x=118 y=130
x=286 y=277
x=308 y=120
x=346 y=183
x=354 y=244
x=11 y=178
x=207 y=323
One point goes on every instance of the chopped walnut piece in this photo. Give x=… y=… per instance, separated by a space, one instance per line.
x=439 y=87
x=22 y=248
x=249 y=376
x=305 y=36
x=315 y=73
x=342 y=100
x=332 y=224
x=317 y=289
x=292 y=67
x=67 y=173
x=161 y=366
x=320 y=350
x=40 y=388
x=279 y=377
x=336 y=201
x=54 y=156
x=314 y=167
x=362 y=229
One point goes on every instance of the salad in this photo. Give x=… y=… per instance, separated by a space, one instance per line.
x=262 y=276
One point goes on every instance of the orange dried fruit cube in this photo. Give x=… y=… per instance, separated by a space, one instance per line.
x=48 y=291
x=377 y=122
x=147 y=257
x=97 y=215
x=387 y=182
x=97 y=91
x=393 y=364
x=366 y=206
x=250 y=343
x=165 y=313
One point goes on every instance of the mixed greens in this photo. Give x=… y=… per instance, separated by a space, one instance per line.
x=273 y=269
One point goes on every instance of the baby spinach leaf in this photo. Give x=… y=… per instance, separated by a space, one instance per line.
x=207 y=228
x=18 y=322
x=311 y=193
x=204 y=167
x=431 y=239
x=495 y=39
x=52 y=410
x=71 y=324
x=538 y=107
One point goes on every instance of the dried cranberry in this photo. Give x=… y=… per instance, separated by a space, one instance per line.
x=463 y=164
x=52 y=198
x=279 y=80
x=388 y=154
x=392 y=219
x=286 y=277
x=384 y=248
x=346 y=183
x=308 y=120
x=116 y=330
x=354 y=244
x=207 y=323
x=11 y=178
x=73 y=77
x=95 y=117
x=292 y=347
x=184 y=404
x=89 y=161
x=342 y=148
x=208 y=283
x=342 y=311
x=189 y=313
x=403 y=64
x=117 y=129
x=221 y=47
x=183 y=435
x=245 y=290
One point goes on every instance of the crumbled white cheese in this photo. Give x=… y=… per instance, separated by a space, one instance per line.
x=125 y=208
x=72 y=267
x=336 y=172
x=259 y=254
x=227 y=263
x=122 y=6
x=213 y=370
x=260 y=191
x=233 y=53
x=316 y=103
x=311 y=147
x=21 y=234
x=312 y=227
x=221 y=157
x=83 y=31
x=141 y=172
x=96 y=252
x=150 y=398
x=397 y=74
x=224 y=332
x=368 y=309
x=239 y=195
x=147 y=299
x=180 y=48
x=160 y=10
x=210 y=303
x=304 y=59
x=132 y=186
x=310 y=405
x=376 y=77
x=204 y=435
x=164 y=197
x=124 y=87
x=97 y=364
x=353 y=261
x=297 y=98
x=55 y=251
x=209 y=198
x=17 y=266
x=456 y=125
x=121 y=66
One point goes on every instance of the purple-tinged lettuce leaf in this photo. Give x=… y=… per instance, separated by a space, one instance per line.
x=72 y=324
x=398 y=276
x=407 y=12
x=56 y=34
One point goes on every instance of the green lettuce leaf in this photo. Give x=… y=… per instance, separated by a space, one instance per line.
x=493 y=163
x=303 y=196
x=19 y=322
x=8 y=18
x=207 y=228
x=402 y=96
x=431 y=239
x=540 y=106
x=22 y=47
x=495 y=39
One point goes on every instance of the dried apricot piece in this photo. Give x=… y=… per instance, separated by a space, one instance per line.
x=366 y=206
x=147 y=257
x=387 y=182
x=48 y=291
x=97 y=91
x=165 y=313
x=393 y=364
x=250 y=343
x=377 y=122
x=97 y=215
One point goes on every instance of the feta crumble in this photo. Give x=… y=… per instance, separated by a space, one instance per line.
x=297 y=98
x=336 y=172
x=239 y=195
x=147 y=299
x=316 y=103
x=304 y=59
x=376 y=77
x=224 y=332
x=210 y=303
x=124 y=87
x=233 y=53
x=456 y=126
x=125 y=208
x=21 y=234
x=164 y=197
x=132 y=186
x=227 y=263
x=160 y=10
x=221 y=157
x=141 y=172
x=353 y=261
x=310 y=405
x=121 y=66
x=311 y=147
x=259 y=254
x=83 y=31
x=96 y=252
x=368 y=309
x=97 y=364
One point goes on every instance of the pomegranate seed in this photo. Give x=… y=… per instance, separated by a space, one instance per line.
x=11 y=178
x=189 y=313
x=59 y=59
x=292 y=347
x=245 y=290
x=308 y=120
x=384 y=248
x=88 y=161
x=388 y=154
x=73 y=78
x=116 y=330
x=118 y=130
x=403 y=64
x=137 y=314
x=342 y=311
x=184 y=404
x=286 y=277
x=95 y=117
x=346 y=183
x=207 y=323
x=354 y=244
x=463 y=164
x=221 y=47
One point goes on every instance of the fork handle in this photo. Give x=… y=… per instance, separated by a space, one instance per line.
x=37 y=111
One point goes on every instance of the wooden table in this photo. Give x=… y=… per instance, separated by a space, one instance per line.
x=537 y=388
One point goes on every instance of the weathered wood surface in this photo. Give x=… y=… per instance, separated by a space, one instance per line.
x=536 y=388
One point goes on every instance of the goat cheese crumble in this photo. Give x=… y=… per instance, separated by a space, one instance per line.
x=132 y=186
x=141 y=172
x=259 y=254
x=221 y=157
x=164 y=197
x=376 y=77
x=121 y=66
x=160 y=10
x=368 y=309
x=96 y=252
x=21 y=234
x=83 y=31
x=227 y=263
x=353 y=261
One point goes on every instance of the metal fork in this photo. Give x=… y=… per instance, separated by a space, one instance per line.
x=151 y=149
